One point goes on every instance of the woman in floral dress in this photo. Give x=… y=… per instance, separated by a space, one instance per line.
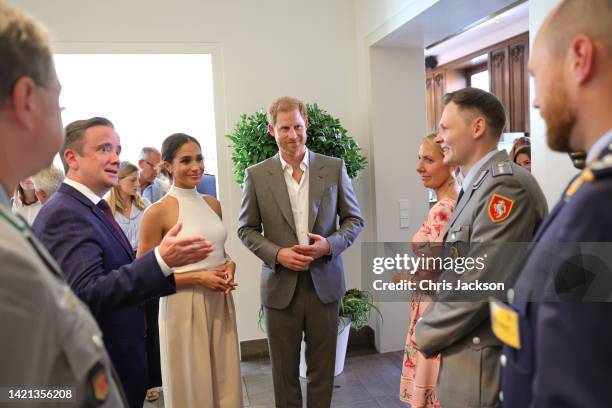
x=420 y=374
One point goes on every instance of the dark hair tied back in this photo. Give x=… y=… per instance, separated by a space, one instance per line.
x=171 y=145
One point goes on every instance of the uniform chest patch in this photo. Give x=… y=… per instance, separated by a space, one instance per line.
x=499 y=208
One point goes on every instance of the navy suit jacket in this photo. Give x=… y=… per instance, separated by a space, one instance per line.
x=100 y=268
x=564 y=359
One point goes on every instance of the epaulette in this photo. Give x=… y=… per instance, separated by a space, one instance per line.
x=501 y=168
x=601 y=168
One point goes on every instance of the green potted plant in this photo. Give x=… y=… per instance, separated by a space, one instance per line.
x=356 y=306
x=251 y=143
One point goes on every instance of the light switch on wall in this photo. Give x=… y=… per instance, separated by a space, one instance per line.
x=404 y=214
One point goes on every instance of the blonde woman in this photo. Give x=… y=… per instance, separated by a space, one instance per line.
x=420 y=374
x=128 y=207
x=126 y=203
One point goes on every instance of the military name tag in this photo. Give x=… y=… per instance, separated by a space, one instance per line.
x=505 y=323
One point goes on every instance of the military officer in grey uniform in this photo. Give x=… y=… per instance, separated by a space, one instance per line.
x=49 y=339
x=499 y=202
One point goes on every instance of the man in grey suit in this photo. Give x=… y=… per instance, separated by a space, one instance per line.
x=291 y=204
x=50 y=339
x=499 y=202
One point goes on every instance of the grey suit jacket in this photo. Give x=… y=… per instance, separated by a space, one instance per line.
x=54 y=341
x=461 y=331
x=266 y=225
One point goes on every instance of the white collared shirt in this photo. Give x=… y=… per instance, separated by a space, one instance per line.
x=83 y=189
x=94 y=198
x=298 y=196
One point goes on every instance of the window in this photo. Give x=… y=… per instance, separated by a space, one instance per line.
x=477 y=76
x=147 y=97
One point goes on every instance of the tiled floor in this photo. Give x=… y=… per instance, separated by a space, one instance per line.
x=368 y=381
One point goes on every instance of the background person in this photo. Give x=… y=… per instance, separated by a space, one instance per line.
x=128 y=207
x=25 y=202
x=150 y=185
x=522 y=157
x=46 y=182
x=127 y=204
x=517 y=144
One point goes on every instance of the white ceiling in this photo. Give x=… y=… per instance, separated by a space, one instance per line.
x=508 y=24
x=448 y=18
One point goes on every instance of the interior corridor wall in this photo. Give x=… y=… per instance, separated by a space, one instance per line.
x=262 y=50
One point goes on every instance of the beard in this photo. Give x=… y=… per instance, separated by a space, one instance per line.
x=560 y=120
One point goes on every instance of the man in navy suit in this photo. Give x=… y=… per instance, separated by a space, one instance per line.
x=79 y=231
x=562 y=358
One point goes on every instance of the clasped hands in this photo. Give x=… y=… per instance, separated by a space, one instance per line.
x=179 y=251
x=299 y=257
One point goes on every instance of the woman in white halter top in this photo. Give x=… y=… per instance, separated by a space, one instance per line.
x=197 y=325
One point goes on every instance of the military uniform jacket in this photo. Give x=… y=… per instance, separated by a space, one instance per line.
x=565 y=358
x=505 y=204
x=49 y=337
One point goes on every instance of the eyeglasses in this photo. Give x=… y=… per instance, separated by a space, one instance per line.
x=153 y=166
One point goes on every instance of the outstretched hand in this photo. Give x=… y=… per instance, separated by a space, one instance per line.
x=178 y=251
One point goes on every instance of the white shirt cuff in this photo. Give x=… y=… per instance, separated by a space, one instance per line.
x=166 y=270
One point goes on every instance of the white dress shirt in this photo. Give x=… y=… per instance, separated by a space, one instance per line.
x=94 y=198
x=298 y=196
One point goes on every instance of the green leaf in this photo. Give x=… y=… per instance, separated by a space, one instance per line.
x=251 y=143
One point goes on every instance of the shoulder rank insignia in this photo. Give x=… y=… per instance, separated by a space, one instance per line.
x=602 y=168
x=499 y=208
x=501 y=168
x=586 y=175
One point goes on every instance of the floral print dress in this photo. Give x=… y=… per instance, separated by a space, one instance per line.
x=420 y=374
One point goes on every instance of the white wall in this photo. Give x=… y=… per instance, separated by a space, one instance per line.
x=398 y=125
x=261 y=50
x=391 y=96
x=552 y=170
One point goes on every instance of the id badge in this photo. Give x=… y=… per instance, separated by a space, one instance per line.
x=505 y=323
